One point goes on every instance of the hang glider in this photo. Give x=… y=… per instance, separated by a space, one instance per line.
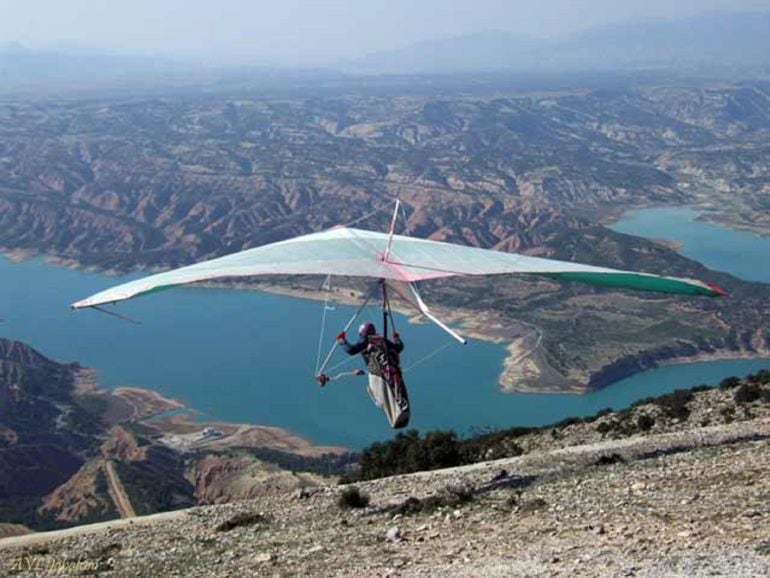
x=351 y=252
x=391 y=260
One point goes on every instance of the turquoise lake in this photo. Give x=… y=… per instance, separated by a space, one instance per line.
x=249 y=357
x=739 y=253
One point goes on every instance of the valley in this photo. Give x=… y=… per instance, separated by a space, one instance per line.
x=151 y=182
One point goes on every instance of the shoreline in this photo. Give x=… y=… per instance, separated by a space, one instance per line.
x=524 y=369
x=711 y=357
x=175 y=425
x=706 y=213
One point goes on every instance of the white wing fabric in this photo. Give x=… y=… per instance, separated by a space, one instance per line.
x=353 y=252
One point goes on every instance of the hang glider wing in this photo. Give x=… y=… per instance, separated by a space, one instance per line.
x=352 y=252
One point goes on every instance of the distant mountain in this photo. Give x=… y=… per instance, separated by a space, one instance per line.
x=22 y=67
x=708 y=40
x=712 y=41
x=492 y=50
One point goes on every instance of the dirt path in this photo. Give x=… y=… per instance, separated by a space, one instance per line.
x=98 y=528
x=118 y=492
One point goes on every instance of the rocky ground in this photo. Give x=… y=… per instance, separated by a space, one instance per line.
x=685 y=503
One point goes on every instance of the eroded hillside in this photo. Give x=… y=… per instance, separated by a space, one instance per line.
x=72 y=453
x=164 y=181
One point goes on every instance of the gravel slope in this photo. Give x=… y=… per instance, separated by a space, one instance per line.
x=691 y=503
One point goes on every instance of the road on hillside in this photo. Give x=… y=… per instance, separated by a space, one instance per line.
x=118 y=492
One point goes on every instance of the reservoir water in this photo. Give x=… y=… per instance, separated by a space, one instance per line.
x=740 y=253
x=249 y=357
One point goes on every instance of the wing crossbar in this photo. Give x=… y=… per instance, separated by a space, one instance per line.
x=423 y=308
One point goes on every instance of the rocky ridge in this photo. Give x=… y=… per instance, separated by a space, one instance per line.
x=688 y=501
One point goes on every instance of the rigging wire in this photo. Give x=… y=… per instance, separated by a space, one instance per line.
x=387 y=313
x=407 y=229
x=113 y=314
x=342 y=363
x=327 y=285
x=367 y=215
x=425 y=358
x=329 y=355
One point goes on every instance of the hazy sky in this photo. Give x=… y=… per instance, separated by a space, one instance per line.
x=307 y=31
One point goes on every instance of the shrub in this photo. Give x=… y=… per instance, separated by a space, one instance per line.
x=450 y=496
x=566 y=422
x=598 y=414
x=533 y=505
x=608 y=460
x=241 y=519
x=644 y=401
x=674 y=405
x=729 y=383
x=645 y=422
x=728 y=413
x=408 y=452
x=747 y=393
x=605 y=427
x=761 y=377
x=488 y=447
x=352 y=497
x=701 y=387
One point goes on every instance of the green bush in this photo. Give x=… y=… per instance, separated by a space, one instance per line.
x=674 y=405
x=450 y=496
x=241 y=519
x=761 y=377
x=645 y=422
x=566 y=422
x=729 y=383
x=701 y=387
x=747 y=393
x=643 y=401
x=608 y=460
x=605 y=427
x=598 y=414
x=352 y=497
x=408 y=452
x=728 y=413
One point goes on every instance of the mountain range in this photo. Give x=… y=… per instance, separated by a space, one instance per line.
x=716 y=43
x=709 y=42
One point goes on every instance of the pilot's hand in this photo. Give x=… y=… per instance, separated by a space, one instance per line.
x=341 y=337
x=396 y=335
